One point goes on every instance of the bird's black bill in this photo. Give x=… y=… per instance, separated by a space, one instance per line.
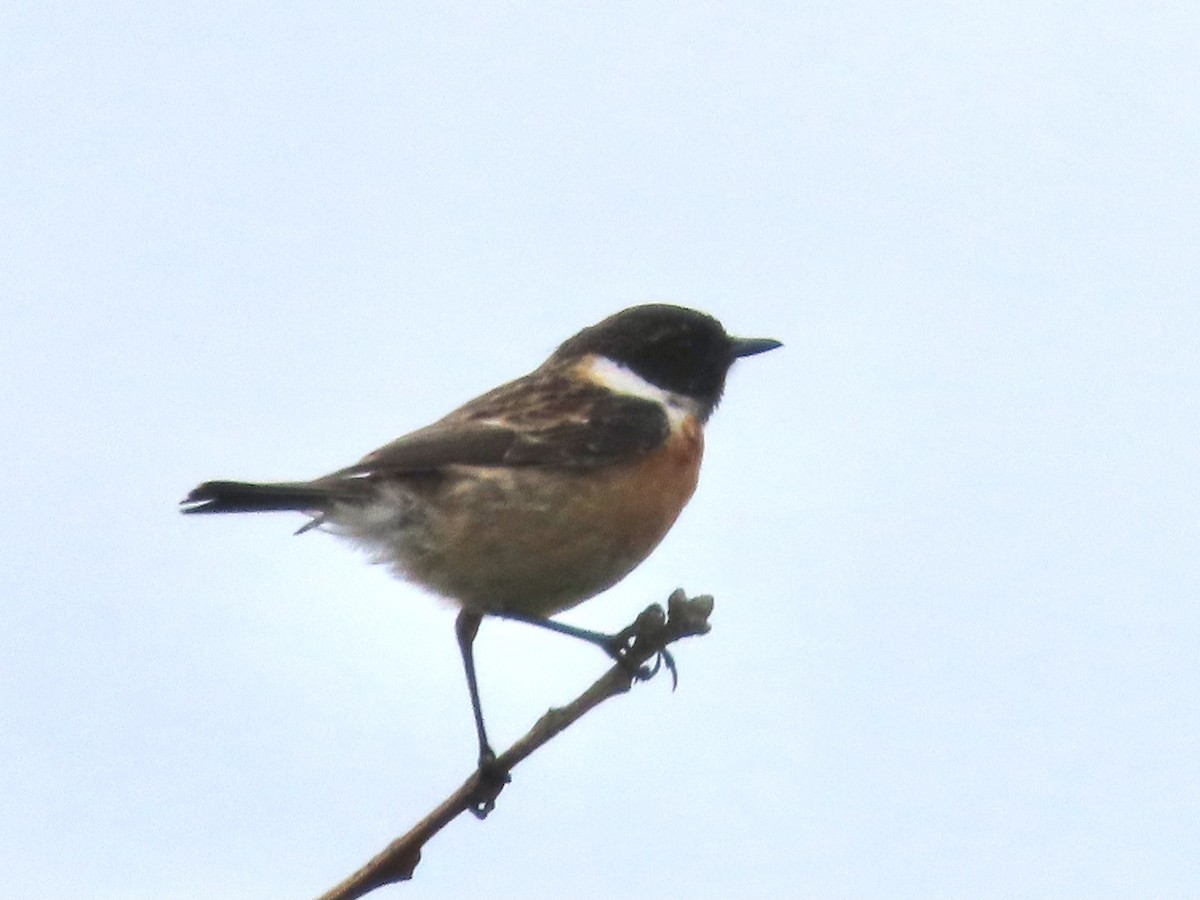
x=752 y=346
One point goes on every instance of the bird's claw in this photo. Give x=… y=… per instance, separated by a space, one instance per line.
x=621 y=646
x=662 y=659
x=490 y=781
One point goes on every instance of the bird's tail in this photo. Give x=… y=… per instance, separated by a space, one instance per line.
x=244 y=496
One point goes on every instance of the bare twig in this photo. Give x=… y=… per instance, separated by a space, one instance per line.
x=652 y=632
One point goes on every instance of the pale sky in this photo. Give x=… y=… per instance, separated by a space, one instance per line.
x=951 y=527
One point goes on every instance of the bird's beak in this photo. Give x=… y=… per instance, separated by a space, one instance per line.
x=751 y=346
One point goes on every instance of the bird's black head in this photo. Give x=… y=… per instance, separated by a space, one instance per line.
x=672 y=347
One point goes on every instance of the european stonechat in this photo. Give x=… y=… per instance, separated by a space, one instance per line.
x=540 y=493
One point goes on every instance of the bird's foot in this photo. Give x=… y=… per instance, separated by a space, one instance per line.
x=626 y=644
x=490 y=779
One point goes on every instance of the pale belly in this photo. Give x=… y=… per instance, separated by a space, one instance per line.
x=530 y=541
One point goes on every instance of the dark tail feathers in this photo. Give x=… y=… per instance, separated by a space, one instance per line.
x=243 y=496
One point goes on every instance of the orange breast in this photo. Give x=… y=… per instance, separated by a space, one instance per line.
x=646 y=497
x=539 y=541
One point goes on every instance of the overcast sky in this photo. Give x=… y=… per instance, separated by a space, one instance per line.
x=951 y=528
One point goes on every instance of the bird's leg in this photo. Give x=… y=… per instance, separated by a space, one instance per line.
x=466 y=627
x=491 y=778
x=617 y=646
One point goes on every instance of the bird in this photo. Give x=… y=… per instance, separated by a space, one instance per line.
x=539 y=494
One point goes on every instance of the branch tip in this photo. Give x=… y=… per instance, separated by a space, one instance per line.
x=648 y=638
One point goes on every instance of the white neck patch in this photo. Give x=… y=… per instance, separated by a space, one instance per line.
x=618 y=378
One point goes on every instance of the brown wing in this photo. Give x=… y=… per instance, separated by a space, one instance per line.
x=547 y=419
